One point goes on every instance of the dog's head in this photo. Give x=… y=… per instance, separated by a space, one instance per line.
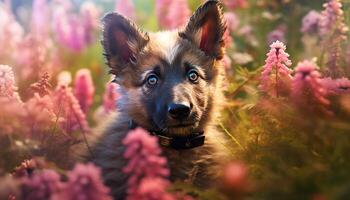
x=168 y=79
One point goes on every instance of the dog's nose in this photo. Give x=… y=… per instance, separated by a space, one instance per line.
x=179 y=111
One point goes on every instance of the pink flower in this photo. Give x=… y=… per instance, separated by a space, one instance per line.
x=337 y=86
x=7 y=83
x=152 y=189
x=10 y=116
x=145 y=159
x=33 y=57
x=233 y=4
x=11 y=33
x=89 y=15
x=307 y=91
x=84 y=89
x=311 y=22
x=75 y=38
x=39 y=115
x=232 y=22
x=235 y=177
x=41 y=186
x=332 y=18
x=42 y=87
x=68 y=109
x=110 y=97
x=84 y=183
x=275 y=77
x=40 y=19
x=71 y=30
x=247 y=33
x=172 y=14
x=333 y=32
x=126 y=8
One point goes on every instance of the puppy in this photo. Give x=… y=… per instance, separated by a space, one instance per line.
x=170 y=85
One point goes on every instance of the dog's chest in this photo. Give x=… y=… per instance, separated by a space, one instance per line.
x=193 y=165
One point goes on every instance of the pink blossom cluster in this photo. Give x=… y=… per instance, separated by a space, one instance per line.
x=73 y=118
x=75 y=31
x=233 y=4
x=11 y=33
x=45 y=108
x=232 y=23
x=336 y=86
x=172 y=14
x=307 y=90
x=332 y=18
x=8 y=86
x=84 y=89
x=84 y=183
x=126 y=8
x=334 y=32
x=110 y=97
x=146 y=167
x=276 y=75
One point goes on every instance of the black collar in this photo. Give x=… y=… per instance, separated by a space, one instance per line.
x=185 y=142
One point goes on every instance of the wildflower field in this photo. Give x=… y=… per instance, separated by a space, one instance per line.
x=286 y=114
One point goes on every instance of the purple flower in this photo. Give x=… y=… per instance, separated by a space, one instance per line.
x=84 y=89
x=84 y=183
x=311 y=22
x=41 y=186
x=277 y=35
x=332 y=18
x=307 y=91
x=275 y=77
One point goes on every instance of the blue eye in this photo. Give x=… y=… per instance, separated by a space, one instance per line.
x=152 y=80
x=192 y=75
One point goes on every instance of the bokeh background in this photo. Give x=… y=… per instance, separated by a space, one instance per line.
x=286 y=114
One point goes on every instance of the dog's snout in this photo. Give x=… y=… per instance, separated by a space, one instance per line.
x=179 y=111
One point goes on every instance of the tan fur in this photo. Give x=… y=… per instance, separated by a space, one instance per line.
x=199 y=165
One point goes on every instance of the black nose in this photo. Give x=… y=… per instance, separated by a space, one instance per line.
x=179 y=111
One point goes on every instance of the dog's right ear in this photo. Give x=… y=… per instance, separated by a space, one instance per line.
x=122 y=41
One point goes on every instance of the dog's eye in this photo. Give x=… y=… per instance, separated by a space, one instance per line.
x=192 y=75
x=152 y=80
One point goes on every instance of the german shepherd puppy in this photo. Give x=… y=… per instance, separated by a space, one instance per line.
x=170 y=84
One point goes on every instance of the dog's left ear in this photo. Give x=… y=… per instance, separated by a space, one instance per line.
x=122 y=41
x=206 y=28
